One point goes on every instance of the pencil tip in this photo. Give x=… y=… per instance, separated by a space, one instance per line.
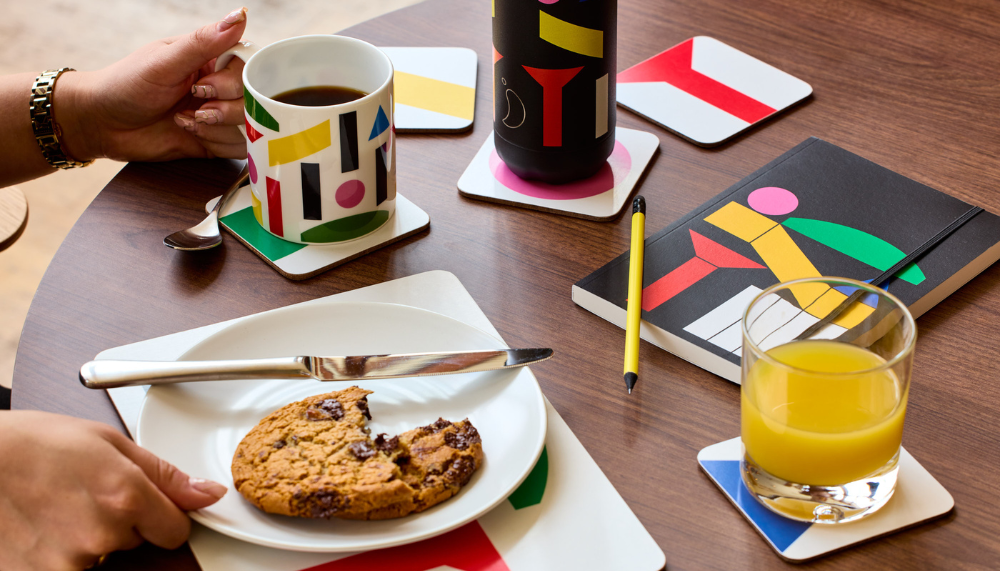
x=630 y=380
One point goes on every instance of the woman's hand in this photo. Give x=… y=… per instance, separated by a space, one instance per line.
x=162 y=102
x=72 y=490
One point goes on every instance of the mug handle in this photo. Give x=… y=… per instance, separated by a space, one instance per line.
x=242 y=50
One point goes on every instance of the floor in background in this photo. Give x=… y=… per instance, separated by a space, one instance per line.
x=92 y=34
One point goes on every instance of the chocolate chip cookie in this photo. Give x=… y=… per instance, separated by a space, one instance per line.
x=314 y=458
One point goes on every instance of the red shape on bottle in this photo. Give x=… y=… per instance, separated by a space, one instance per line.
x=552 y=82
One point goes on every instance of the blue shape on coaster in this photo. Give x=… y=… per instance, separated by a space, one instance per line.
x=871 y=300
x=381 y=124
x=780 y=531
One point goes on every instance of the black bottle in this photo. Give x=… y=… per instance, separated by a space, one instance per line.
x=554 y=86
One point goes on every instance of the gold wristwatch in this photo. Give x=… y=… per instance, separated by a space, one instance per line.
x=43 y=123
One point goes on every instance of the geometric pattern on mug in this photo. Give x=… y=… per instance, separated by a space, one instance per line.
x=570 y=37
x=258 y=113
x=706 y=90
x=380 y=125
x=349 y=141
x=300 y=145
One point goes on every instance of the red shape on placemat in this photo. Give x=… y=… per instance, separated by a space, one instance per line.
x=552 y=82
x=274 y=206
x=252 y=134
x=719 y=255
x=674 y=67
x=467 y=548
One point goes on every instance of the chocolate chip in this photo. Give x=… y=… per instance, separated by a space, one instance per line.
x=363 y=407
x=326 y=409
x=438 y=425
x=460 y=471
x=465 y=436
x=361 y=450
x=279 y=444
x=323 y=503
x=386 y=445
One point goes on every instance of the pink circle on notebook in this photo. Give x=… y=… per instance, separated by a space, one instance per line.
x=350 y=193
x=773 y=201
x=617 y=167
x=252 y=168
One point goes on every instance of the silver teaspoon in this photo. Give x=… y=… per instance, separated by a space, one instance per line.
x=206 y=234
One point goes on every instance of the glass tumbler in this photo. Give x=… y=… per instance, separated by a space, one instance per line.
x=826 y=374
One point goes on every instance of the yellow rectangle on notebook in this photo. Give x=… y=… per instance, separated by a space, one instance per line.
x=300 y=145
x=740 y=221
x=435 y=95
x=786 y=260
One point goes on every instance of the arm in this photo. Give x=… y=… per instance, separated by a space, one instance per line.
x=162 y=102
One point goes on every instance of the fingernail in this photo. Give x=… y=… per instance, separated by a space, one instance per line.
x=208 y=487
x=232 y=18
x=204 y=91
x=208 y=116
x=184 y=121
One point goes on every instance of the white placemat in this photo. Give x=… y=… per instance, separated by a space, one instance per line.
x=566 y=515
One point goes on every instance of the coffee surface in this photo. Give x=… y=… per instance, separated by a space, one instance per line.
x=319 y=96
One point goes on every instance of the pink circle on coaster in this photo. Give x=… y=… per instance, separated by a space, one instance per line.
x=253 y=168
x=773 y=201
x=350 y=193
x=548 y=1
x=617 y=167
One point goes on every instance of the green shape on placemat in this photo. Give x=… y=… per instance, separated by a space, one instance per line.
x=531 y=490
x=347 y=228
x=271 y=247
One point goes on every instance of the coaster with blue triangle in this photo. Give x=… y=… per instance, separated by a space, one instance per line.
x=919 y=497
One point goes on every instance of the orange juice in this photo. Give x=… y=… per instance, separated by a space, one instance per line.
x=818 y=422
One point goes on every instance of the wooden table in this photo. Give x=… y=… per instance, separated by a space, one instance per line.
x=910 y=85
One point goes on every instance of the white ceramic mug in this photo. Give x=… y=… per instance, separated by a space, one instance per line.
x=318 y=174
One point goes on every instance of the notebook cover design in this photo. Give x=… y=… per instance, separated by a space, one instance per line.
x=707 y=91
x=918 y=498
x=816 y=210
x=435 y=88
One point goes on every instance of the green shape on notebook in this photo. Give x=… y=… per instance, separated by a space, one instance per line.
x=531 y=490
x=257 y=111
x=347 y=228
x=245 y=225
x=857 y=244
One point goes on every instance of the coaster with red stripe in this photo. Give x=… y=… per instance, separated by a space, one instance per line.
x=706 y=91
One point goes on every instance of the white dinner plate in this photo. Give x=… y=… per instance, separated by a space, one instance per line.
x=197 y=426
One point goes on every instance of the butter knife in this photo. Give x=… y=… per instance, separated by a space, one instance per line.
x=112 y=374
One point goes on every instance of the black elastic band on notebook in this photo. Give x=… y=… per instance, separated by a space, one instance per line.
x=934 y=241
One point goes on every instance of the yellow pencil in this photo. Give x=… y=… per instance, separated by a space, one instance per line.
x=634 y=312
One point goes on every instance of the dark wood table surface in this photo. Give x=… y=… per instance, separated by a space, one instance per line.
x=911 y=85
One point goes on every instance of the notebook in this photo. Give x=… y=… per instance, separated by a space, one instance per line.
x=817 y=210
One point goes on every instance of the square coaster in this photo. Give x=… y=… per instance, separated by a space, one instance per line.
x=299 y=261
x=435 y=89
x=918 y=498
x=706 y=91
x=600 y=197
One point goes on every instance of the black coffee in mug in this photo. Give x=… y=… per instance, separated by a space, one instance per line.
x=319 y=96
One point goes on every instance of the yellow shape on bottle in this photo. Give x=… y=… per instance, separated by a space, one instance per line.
x=570 y=37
